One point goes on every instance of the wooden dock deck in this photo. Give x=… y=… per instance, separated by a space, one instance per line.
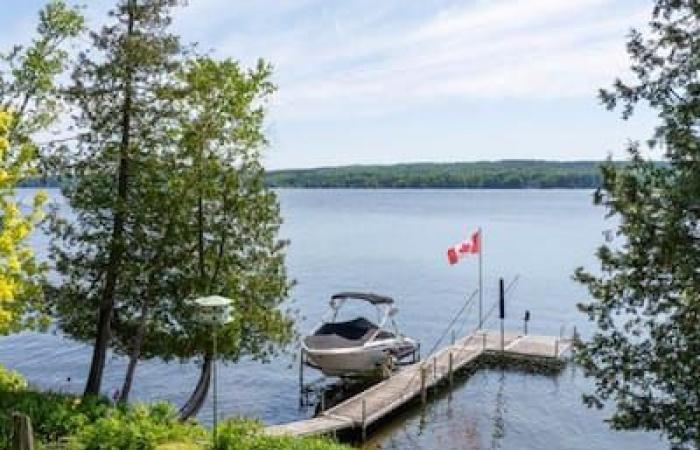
x=380 y=400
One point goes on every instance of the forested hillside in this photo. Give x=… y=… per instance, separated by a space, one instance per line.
x=510 y=174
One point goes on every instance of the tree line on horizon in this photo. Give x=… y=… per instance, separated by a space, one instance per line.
x=509 y=174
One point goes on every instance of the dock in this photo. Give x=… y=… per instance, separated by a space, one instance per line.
x=412 y=381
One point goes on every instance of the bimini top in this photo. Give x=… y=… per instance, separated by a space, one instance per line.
x=372 y=298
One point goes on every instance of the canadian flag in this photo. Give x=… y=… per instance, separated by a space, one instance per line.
x=464 y=248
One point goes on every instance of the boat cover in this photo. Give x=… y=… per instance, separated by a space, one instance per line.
x=352 y=329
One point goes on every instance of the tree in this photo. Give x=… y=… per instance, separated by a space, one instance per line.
x=643 y=355
x=20 y=275
x=218 y=231
x=101 y=253
x=233 y=218
x=28 y=105
x=170 y=201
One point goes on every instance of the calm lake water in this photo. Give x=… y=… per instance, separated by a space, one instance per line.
x=394 y=242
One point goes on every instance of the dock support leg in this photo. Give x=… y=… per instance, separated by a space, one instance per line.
x=364 y=420
x=526 y=319
x=423 y=391
x=556 y=348
x=301 y=377
x=434 y=369
x=503 y=338
x=450 y=370
x=483 y=340
x=502 y=312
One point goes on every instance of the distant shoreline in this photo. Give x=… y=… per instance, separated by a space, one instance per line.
x=508 y=174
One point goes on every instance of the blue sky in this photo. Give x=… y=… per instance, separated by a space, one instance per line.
x=368 y=81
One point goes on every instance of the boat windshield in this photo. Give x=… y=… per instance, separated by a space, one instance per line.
x=352 y=309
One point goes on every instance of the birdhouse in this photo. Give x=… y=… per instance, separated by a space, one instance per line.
x=214 y=310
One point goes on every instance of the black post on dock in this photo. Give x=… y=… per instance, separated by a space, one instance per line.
x=502 y=311
x=526 y=319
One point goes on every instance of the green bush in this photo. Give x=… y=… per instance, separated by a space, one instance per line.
x=53 y=415
x=94 y=424
x=139 y=427
x=11 y=381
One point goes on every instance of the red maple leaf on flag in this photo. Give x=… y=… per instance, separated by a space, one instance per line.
x=464 y=248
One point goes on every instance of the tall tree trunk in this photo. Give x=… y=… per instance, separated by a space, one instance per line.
x=135 y=354
x=200 y=221
x=200 y=240
x=196 y=400
x=94 y=380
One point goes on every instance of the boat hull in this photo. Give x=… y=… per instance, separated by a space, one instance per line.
x=368 y=361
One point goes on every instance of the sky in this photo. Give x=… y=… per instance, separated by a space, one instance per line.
x=392 y=81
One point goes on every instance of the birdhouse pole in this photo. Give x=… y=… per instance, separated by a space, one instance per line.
x=214 y=311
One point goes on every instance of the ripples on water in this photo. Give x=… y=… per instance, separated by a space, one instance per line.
x=394 y=242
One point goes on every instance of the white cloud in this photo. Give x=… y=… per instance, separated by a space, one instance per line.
x=339 y=65
x=362 y=58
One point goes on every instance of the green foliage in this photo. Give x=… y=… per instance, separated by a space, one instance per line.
x=90 y=422
x=515 y=174
x=225 y=213
x=247 y=435
x=170 y=201
x=11 y=381
x=20 y=274
x=107 y=254
x=53 y=415
x=222 y=220
x=137 y=427
x=94 y=424
x=27 y=75
x=646 y=298
x=28 y=104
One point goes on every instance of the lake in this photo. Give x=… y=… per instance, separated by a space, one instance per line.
x=394 y=242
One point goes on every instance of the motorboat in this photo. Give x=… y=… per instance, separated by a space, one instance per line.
x=358 y=348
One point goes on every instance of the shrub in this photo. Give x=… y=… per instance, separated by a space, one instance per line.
x=139 y=427
x=94 y=424
x=11 y=381
x=53 y=415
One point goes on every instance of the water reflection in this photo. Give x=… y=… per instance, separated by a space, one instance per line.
x=499 y=427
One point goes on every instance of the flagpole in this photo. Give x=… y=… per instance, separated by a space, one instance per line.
x=481 y=279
